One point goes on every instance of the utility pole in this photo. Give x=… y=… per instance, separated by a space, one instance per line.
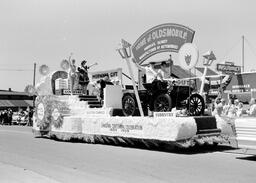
x=34 y=76
x=243 y=53
x=34 y=84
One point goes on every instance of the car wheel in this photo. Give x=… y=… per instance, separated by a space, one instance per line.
x=195 y=105
x=129 y=105
x=162 y=103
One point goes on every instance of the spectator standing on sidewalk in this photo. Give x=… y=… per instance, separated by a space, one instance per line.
x=236 y=103
x=240 y=109
x=9 y=116
x=219 y=105
x=30 y=116
x=226 y=107
x=1 y=117
x=5 y=117
x=231 y=111
x=252 y=110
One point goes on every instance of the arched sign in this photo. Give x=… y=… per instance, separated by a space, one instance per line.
x=162 y=38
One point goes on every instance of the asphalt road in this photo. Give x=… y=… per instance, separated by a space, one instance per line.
x=24 y=158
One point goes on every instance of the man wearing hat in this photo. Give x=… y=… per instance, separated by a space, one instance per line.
x=83 y=76
x=171 y=64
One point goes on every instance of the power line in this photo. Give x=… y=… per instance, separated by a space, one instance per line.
x=14 y=64
x=229 y=50
x=16 y=69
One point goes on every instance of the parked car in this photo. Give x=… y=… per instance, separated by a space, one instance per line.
x=18 y=118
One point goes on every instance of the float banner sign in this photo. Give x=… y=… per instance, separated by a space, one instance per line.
x=121 y=129
x=115 y=75
x=228 y=69
x=161 y=38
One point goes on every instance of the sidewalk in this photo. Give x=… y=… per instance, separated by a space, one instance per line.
x=13 y=174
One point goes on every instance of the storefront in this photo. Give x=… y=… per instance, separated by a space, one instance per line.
x=15 y=100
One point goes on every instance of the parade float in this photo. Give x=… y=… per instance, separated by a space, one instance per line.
x=178 y=113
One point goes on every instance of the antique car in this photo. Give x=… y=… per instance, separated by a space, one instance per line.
x=164 y=98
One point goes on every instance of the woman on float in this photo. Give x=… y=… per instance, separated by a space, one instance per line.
x=72 y=75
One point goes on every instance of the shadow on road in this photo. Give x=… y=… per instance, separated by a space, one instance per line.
x=203 y=149
x=248 y=158
x=167 y=147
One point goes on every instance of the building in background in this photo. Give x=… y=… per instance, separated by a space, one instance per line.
x=242 y=87
x=15 y=100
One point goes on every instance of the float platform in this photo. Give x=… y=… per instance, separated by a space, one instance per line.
x=67 y=118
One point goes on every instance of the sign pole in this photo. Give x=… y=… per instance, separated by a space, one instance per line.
x=203 y=80
x=243 y=53
x=34 y=84
x=189 y=90
x=134 y=87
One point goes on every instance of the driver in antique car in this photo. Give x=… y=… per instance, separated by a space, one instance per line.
x=156 y=77
x=162 y=73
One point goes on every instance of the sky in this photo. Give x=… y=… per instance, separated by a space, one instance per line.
x=47 y=31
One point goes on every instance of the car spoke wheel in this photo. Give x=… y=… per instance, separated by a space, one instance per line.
x=195 y=105
x=162 y=103
x=128 y=105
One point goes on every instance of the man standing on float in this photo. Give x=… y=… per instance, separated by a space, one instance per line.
x=83 y=76
x=162 y=73
x=171 y=64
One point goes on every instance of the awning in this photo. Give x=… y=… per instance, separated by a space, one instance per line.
x=181 y=73
x=30 y=102
x=209 y=72
x=5 y=103
x=16 y=103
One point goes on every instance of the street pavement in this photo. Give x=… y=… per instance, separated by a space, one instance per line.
x=24 y=158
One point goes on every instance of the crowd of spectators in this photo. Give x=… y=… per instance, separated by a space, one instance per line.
x=22 y=117
x=6 y=116
x=233 y=108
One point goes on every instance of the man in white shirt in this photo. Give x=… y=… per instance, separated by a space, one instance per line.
x=151 y=74
x=162 y=73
